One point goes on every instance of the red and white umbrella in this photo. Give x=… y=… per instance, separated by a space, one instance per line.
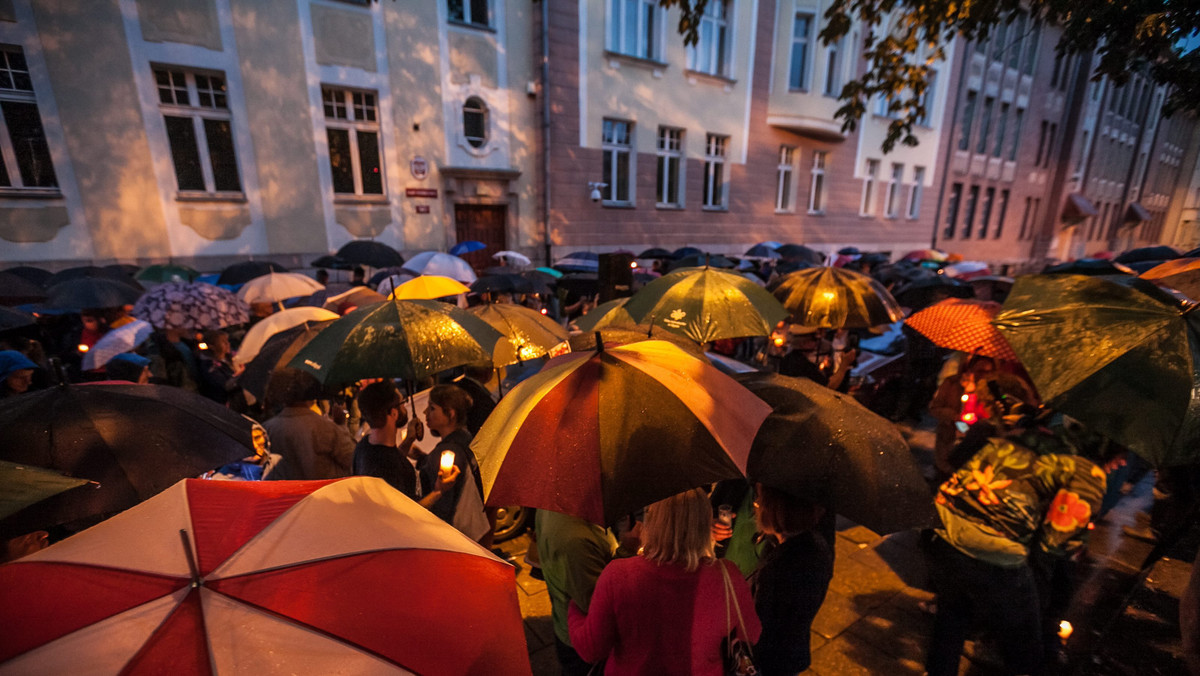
x=213 y=577
x=963 y=325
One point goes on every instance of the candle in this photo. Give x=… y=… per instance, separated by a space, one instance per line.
x=1064 y=630
x=447 y=460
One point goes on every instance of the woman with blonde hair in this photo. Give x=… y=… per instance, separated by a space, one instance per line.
x=664 y=611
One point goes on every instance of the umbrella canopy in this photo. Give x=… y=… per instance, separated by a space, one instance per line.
x=29 y=273
x=512 y=257
x=428 y=287
x=654 y=253
x=16 y=290
x=276 y=287
x=191 y=305
x=330 y=262
x=1148 y=253
x=14 y=319
x=240 y=273
x=1182 y=274
x=527 y=333
x=968 y=270
x=702 y=261
x=580 y=261
x=168 y=272
x=608 y=313
x=92 y=272
x=355 y=297
x=380 y=276
x=124 y=338
x=512 y=283
x=706 y=305
x=345 y=576
x=549 y=271
x=1088 y=266
x=410 y=339
x=925 y=290
x=602 y=434
x=762 y=251
x=21 y=486
x=1121 y=356
x=468 y=246
x=919 y=255
x=275 y=353
x=437 y=263
x=135 y=440
x=92 y=292
x=822 y=445
x=283 y=320
x=837 y=298
x=963 y=325
x=685 y=251
x=799 y=252
x=373 y=254
x=633 y=333
x=390 y=283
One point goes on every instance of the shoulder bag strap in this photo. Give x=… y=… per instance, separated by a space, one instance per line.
x=730 y=593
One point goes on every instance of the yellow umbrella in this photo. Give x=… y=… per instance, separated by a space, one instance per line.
x=428 y=287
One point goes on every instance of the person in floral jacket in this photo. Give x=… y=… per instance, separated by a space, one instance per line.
x=1022 y=502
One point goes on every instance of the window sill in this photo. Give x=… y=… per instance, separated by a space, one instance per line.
x=784 y=212
x=798 y=90
x=360 y=199
x=617 y=205
x=472 y=26
x=31 y=193
x=717 y=209
x=227 y=197
x=654 y=64
x=711 y=77
x=816 y=213
x=670 y=207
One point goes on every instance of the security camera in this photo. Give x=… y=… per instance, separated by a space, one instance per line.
x=596 y=188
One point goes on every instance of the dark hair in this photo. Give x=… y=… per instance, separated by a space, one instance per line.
x=291 y=387
x=376 y=401
x=452 y=398
x=119 y=369
x=785 y=514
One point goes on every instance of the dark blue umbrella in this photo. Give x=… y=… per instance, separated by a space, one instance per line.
x=685 y=251
x=29 y=273
x=762 y=251
x=654 y=252
x=580 y=261
x=467 y=247
x=801 y=253
x=702 y=260
x=1148 y=253
x=332 y=263
x=90 y=292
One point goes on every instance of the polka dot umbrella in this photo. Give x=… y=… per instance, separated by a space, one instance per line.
x=191 y=305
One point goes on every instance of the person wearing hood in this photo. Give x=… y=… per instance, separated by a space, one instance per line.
x=16 y=373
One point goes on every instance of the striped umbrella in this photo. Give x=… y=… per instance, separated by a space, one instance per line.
x=837 y=298
x=963 y=325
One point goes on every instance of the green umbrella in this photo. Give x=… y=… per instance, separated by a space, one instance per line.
x=705 y=304
x=409 y=339
x=528 y=334
x=23 y=485
x=604 y=315
x=550 y=271
x=161 y=273
x=1120 y=356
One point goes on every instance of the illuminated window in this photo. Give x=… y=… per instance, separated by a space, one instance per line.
x=352 y=131
x=26 y=155
x=195 y=110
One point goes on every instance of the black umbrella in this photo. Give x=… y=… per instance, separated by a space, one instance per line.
x=92 y=272
x=16 y=290
x=654 y=252
x=240 y=273
x=685 y=251
x=701 y=261
x=135 y=440
x=275 y=354
x=580 y=283
x=29 y=273
x=1148 y=253
x=1088 y=266
x=374 y=254
x=761 y=251
x=332 y=263
x=14 y=319
x=824 y=446
x=801 y=253
x=925 y=291
x=123 y=269
x=507 y=283
x=97 y=292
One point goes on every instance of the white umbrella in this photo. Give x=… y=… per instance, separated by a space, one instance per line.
x=278 y=286
x=283 y=320
x=437 y=263
x=121 y=339
x=512 y=257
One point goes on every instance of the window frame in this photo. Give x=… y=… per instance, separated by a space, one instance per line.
x=972 y=205
x=784 y=184
x=716 y=179
x=669 y=146
x=953 y=205
x=1002 y=212
x=915 y=192
x=891 y=204
x=985 y=221
x=806 y=43
x=353 y=125
x=617 y=148
x=468 y=11
x=967 y=121
x=485 y=113
x=198 y=114
x=870 y=175
x=833 y=69
x=816 y=185
x=12 y=164
x=719 y=46
x=646 y=32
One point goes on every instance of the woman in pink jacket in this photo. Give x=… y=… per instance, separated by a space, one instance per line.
x=663 y=611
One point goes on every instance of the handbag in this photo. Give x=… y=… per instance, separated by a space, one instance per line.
x=738 y=657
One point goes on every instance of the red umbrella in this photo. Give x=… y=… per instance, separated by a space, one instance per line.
x=963 y=325
x=345 y=576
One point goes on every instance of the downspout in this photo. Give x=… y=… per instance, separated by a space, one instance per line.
x=546 y=128
x=962 y=77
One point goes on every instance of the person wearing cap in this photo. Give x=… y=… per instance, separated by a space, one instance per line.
x=16 y=373
x=128 y=366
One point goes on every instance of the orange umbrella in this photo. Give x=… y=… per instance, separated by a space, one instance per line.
x=963 y=325
x=428 y=287
x=1181 y=274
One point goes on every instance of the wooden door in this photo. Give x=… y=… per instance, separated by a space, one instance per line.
x=484 y=223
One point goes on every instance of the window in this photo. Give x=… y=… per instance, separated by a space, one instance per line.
x=710 y=54
x=670 y=163
x=1050 y=144
x=199 y=130
x=969 y=216
x=952 y=210
x=816 y=189
x=352 y=131
x=833 y=72
x=783 y=179
x=1000 y=41
x=714 y=171
x=1025 y=218
x=475 y=122
x=801 y=42
x=1037 y=162
x=914 y=192
x=1031 y=48
x=26 y=154
x=1017 y=35
x=1016 y=135
x=632 y=27
x=617 y=162
x=964 y=138
x=892 y=206
x=1057 y=73
x=1002 y=213
x=989 y=196
x=985 y=125
x=1000 y=129
x=1083 y=149
x=473 y=12
x=1037 y=206
x=927 y=99
x=868 y=195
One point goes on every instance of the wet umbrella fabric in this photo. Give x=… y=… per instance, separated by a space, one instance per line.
x=706 y=305
x=124 y=338
x=410 y=339
x=468 y=246
x=1148 y=253
x=922 y=291
x=801 y=253
x=266 y=577
x=275 y=353
x=1088 y=266
x=606 y=314
x=1182 y=274
x=527 y=333
x=1121 y=356
x=92 y=292
x=92 y=272
x=599 y=435
x=276 y=287
x=283 y=320
x=428 y=287
x=191 y=305
x=611 y=336
x=685 y=251
x=761 y=251
x=836 y=298
x=963 y=325
x=23 y=485
x=437 y=263
x=824 y=446
x=330 y=262
x=373 y=254
x=240 y=273
x=135 y=440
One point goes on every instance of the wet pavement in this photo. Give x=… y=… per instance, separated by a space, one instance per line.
x=872 y=622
